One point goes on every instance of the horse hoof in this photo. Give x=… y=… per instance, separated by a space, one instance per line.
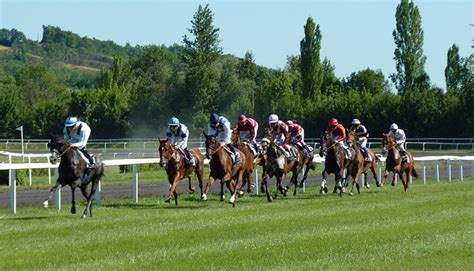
x=45 y=204
x=367 y=186
x=270 y=199
x=222 y=198
x=204 y=197
x=351 y=194
x=73 y=210
x=240 y=193
x=84 y=216
x=167 y=201
x=232 y=200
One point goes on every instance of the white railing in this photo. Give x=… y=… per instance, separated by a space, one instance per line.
x=12 y=167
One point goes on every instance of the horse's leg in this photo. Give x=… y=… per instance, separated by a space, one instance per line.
x=237 y=187
x=73 y=201
x=406 y=179
x=51 y=192
x=208 y=186
x=374 y=173
x=190 y=185
x=305 y=174
x=384 y=176
x=174 y=182
x=90 y=196
x=265 y=187
x=200 y=177
x=324 y=188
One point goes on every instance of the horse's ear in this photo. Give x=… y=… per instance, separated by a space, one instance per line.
x=162 y=140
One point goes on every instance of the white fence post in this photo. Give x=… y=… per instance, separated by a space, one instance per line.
x=98 y=193
x=449 y=170
x=255 y=178
x=135 y=184
x=437 y=172
x=29 y=170
x=424 y=172
x=12 y=201
x=57 y=194
x=461 y=170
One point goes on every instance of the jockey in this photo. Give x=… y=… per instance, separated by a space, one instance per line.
x=280 y=135
x=247 y=130
x=76 y=134
x=398 y=135
x=296 y=134
x=338 y=135
x=362 y=134
x=219 y=127
x=178 y=134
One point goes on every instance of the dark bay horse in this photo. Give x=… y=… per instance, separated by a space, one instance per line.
x=177 y=169
x=334 y=163
x=307 y=164
x=250 y=160
x=222 y=168
x=71 y=172
x=278 y=165
x=395 y=163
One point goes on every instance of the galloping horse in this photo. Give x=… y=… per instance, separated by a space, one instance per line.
x=277 y=165
x=395 y=164
x=71 y=172
x=307 y=164
x=177 y=169
x=356 y=165
x=222 y=168
x=250 y=159
x=334 y=163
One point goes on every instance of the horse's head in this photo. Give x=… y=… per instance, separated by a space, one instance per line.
x=351 y=138
x=234 y=137
x=387 y=143
x=324 y=143
x=264 y=143
x=57 y=146
x=166 y=150
x=212 y=144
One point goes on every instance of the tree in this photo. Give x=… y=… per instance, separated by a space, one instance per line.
x=310 y=47
x=366 y=80
x=8 y=38
x=199 y=56
x=409 y=58
x=454 y=70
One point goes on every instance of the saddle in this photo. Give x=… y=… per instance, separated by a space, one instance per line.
x=235 y=158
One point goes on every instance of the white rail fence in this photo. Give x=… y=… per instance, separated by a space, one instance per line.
x=450 y=160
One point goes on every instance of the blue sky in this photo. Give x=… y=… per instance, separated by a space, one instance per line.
x=356 y=34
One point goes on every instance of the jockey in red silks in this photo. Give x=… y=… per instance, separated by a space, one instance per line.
x=280 y=135
x=296 y=133
x=247 y=130
x=338 y=135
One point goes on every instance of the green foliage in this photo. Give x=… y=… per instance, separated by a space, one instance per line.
x=310 y=47
x=367 y=80
x=409 y=58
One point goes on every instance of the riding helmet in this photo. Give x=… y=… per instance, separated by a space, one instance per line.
x=242 y=117
x=273 y=118
x=214 y=118
x=70 y=122
x=173 y=121
x=394 y=127
x=355 y=122
x=333 y=122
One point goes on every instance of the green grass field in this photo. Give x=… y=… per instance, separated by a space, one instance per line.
x=429 y=228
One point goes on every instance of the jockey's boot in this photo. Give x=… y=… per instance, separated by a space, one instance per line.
x=191 y=162
x=405 y=157
x=91 y=164
x=367 y=157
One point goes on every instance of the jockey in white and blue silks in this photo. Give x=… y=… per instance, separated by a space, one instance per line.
x=398 y=135
x=362 y=134
x=219 y=127
x=178 y=134
x=76 y=133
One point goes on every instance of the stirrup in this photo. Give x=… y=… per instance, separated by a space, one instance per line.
x=191 y=162
x=91 y=166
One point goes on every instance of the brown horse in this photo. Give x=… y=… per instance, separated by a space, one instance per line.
x=222 y=168
x=356 y=165
x=307 y=163
x=177 y=169
x=278 y=165
x=334 y=163
x=395 y=163
x=250 y=161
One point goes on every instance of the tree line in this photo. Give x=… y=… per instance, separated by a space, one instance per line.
x=125 y=91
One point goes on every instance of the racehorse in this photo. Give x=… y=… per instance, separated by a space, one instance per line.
x=334 y=163
x=307 y=164
x=250 y=160
x=278 y=165
x=71 y=172
x=177 y=169
x=356 y=165
x=222 y=168
x=395 y=163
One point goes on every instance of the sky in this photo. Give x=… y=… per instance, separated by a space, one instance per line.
x=356 y=34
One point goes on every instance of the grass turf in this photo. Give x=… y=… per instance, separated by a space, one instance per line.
x=430 y=227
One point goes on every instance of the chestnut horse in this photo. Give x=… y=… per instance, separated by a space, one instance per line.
x=356 y=165
x=307 y=163
x=250 y=161
x=222 y=168
x=278 y=165
x=71 y=172
x=177 y=169
x=334 y=163
x=395 y=164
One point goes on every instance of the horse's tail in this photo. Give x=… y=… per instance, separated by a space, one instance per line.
x=414 y=173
